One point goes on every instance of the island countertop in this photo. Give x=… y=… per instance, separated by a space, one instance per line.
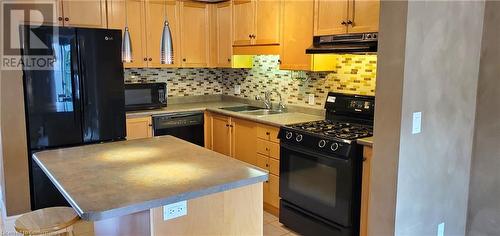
x=107 y=180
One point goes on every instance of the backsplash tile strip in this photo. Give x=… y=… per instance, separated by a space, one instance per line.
x=354 y=74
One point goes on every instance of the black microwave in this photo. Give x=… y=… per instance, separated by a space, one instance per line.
x=145 y=96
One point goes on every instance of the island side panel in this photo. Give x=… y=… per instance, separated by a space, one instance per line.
x=234 y=212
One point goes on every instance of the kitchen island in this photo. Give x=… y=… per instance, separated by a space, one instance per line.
x=123 y=186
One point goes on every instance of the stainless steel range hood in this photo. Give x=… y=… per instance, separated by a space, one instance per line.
x=346 y=43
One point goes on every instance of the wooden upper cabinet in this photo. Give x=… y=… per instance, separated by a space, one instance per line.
x=243 y=22
x=297 y=34
x=85 y=13
x=329 y=16
x=267 y=22
x=54 y=9
x=364 y=15
x=136 y=25
x=244 y=140
x=223 y=41
x=195 y=34
x=221 y=134
x=155 y=12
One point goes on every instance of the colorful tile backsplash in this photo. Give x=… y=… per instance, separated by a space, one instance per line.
x=355 y=74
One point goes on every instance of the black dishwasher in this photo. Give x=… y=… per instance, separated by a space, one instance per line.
x=186 y=125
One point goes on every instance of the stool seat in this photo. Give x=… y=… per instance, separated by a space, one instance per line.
x=46 y=221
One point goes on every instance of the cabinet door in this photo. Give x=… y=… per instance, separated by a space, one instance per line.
x=274 y=198
x=364 y=15
x=194 y=34
x=155 y=11
x=136 y=17
x=244 y=141
x=297 y=35
x=243 y=22
x=139 y=128
x=85 y=13
x=223 y=34
x=267 y=22
x=221 y=134
x=329 y=16
x=51 y=12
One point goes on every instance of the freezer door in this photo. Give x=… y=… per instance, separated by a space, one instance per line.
x=101 y=73
x=52 y=99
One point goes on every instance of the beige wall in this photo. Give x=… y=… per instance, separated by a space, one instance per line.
x=14 y=147
x=484 y=193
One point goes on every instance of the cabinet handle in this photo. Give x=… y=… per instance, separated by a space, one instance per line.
x=229 y=59
x=183 y=59
x=349 y=22
x=60 y=18
x=227 y=125
x=343 y=23
x=267 y=133
x=150 y=125
x=150 y=59
x=66 y=19
x=267 y=165
x=267 y=149
x=267 y=181
x=253 y=35
x=145 y=59
x=250 y=36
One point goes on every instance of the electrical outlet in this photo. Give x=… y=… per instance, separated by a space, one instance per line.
x=310 y=99
x=174 y=210
x=417 y=123
x=237 y=89
x=440 y=231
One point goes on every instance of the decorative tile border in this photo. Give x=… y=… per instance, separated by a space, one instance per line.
x=354 y=74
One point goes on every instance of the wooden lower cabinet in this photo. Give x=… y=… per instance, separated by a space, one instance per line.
x=139 y=127
x=251 y=142
x=365 y=190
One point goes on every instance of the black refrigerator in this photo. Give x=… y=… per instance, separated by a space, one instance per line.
x=77 y=100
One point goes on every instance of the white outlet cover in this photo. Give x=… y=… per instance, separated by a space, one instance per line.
x=440 y=231
x=417 y=123
x=237 y=89
x=174 y=210
x=311 y=99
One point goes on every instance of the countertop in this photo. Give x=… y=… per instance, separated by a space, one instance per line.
x=366 y=141
x=107 y=180
x=286 y=118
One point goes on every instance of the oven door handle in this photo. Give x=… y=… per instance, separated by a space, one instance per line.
x=315 y=154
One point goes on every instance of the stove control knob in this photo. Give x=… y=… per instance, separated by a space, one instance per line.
x=334 y=147
x=298 y=138
x=322 y=143
x=288 y=135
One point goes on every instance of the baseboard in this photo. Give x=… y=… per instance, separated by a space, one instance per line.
x=271 y=209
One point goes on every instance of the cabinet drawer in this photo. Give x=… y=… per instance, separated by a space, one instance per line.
x=268 y=148
x=274 y=166
x=268 y=133
x=263 y=162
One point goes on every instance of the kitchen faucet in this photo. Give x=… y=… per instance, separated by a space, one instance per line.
x=268 y=103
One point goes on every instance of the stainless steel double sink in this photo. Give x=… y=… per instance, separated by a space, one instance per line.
x=252 y=110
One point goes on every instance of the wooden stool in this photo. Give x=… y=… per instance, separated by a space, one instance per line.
x=48 y=221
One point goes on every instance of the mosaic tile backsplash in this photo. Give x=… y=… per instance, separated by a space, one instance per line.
x=354 y=74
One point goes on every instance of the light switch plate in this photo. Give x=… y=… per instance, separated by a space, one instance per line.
x=417 y=123
x=174 y=210
x=440 y=231
x=310 y=99
x=237 y=89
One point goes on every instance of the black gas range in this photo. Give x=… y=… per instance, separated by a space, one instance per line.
x=321 y=166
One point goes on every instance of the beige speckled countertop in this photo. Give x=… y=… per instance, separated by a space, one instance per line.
x=107 y=180
x=213 y=106
x=366 y=141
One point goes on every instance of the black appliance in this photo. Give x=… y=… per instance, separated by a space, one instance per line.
x=344 y=43
x=321 y=166
x=80 y=100
x=143 y=96
x=184 y=125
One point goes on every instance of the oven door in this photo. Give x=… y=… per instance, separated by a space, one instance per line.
x=145 y=96
x=317 y=183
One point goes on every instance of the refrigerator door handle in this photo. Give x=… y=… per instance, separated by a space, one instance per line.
x=76 y=83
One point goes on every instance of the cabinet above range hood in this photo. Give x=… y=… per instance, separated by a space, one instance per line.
x=359 y=43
